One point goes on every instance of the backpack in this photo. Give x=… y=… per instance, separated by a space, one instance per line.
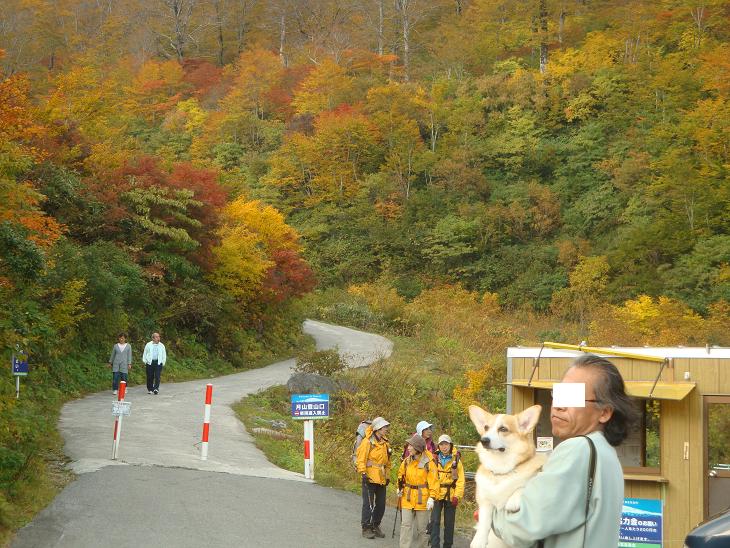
x=359 y=436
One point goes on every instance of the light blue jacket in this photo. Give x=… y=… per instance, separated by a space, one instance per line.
x=161 y=354
x=553 y=502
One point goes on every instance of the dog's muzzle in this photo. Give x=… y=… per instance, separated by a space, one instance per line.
x=486 y=443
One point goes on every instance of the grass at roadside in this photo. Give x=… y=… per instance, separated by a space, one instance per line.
x=397 y=388
x=32 y=468
x=449 y=352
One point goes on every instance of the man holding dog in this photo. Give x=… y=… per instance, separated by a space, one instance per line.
x=555 y=510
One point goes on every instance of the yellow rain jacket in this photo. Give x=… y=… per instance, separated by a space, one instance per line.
x=419 y=481
x=373 y=458
x=451 y=476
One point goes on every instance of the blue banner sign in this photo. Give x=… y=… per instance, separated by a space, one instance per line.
x=20 y=364
x=310 y=406
x=641 y=524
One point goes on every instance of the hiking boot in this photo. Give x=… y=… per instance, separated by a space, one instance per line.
x=367 y=532
x=377 y=532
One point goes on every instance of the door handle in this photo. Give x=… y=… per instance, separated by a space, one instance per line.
x=712 y=473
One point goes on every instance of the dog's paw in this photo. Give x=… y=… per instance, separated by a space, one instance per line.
x=513 y=502
x=479 y=541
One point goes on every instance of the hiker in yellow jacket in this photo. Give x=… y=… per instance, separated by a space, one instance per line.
x=373 y=463
x=451 y=480
x=417 y=488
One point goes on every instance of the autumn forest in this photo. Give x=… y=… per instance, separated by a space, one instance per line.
x=198 y=166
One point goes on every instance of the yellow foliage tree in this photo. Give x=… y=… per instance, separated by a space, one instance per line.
x=586 y=289
x=648 y=321
x=249 y=234
x=325 y=88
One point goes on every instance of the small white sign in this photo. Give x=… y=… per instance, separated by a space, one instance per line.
x=120 y=408
x=569 y=394
x=544 y=443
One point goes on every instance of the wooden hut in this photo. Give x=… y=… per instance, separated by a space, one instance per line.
x=680 y=453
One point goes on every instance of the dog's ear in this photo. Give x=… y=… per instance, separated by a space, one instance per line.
x=481 y=419
x=527 y=420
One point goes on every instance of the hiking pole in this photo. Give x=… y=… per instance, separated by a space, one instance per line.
x=371 y=501
x=398 y=508
x=395 y=518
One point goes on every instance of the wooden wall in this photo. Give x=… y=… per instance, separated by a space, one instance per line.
x=681 y=422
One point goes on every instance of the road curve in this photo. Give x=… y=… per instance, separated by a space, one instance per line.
x=164 y=430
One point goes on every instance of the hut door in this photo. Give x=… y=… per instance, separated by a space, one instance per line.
x=717 y=451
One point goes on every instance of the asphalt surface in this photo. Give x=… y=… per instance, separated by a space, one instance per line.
x=159 y=493
x=141 y=506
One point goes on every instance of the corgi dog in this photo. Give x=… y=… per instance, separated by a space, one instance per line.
x=507 y=459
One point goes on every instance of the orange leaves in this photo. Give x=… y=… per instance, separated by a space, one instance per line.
x=330 y=164
x=156 y=88
x=256 y=87
x=258 y=250
x=326 y=87
x=18 y=129
x=20 y=204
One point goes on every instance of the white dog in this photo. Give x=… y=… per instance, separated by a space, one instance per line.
x=507 y=460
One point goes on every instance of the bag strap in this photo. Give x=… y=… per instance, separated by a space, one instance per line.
x=591 y=481
x=589 y=492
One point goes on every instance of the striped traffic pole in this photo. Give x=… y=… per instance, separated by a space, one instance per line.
x=118 y=421
x=309 y=449
x=206 y=422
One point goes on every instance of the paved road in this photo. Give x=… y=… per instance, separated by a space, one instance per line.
x=160 y=494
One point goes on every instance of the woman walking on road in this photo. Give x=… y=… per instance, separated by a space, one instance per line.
x=120 y=361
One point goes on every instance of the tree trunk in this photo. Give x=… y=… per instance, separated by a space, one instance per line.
x=381 y=23
x=543 y=14
x=402 y=6
x=219 y=24
x=282 y=39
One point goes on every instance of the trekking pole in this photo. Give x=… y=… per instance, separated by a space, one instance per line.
x=371 y=501
x=395 y=518
x=398 y=508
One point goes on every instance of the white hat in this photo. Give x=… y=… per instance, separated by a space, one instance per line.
x=378 y=423
x=421 y=426
x=446 y=438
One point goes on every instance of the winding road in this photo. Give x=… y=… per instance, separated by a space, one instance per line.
x=159 y=493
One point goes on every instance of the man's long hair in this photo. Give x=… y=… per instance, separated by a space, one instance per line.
x=611 y=392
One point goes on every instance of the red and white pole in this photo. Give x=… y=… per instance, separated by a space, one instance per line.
x=206 y=422
x=118 y=421
x=309 y=449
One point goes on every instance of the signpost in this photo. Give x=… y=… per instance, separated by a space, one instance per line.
x=120 y=409
x=308 y=407
x=20 y=369
x=641 y=524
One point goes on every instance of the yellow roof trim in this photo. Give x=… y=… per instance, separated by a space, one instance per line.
x=605 y=351
x=638 y=389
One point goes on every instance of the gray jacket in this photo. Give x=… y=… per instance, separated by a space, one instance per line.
x=121 y=360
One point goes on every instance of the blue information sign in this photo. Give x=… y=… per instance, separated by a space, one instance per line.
x=310 y=406
x=20 y=364
x=641 y=524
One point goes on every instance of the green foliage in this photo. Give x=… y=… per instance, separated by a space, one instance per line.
x=321 y=362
